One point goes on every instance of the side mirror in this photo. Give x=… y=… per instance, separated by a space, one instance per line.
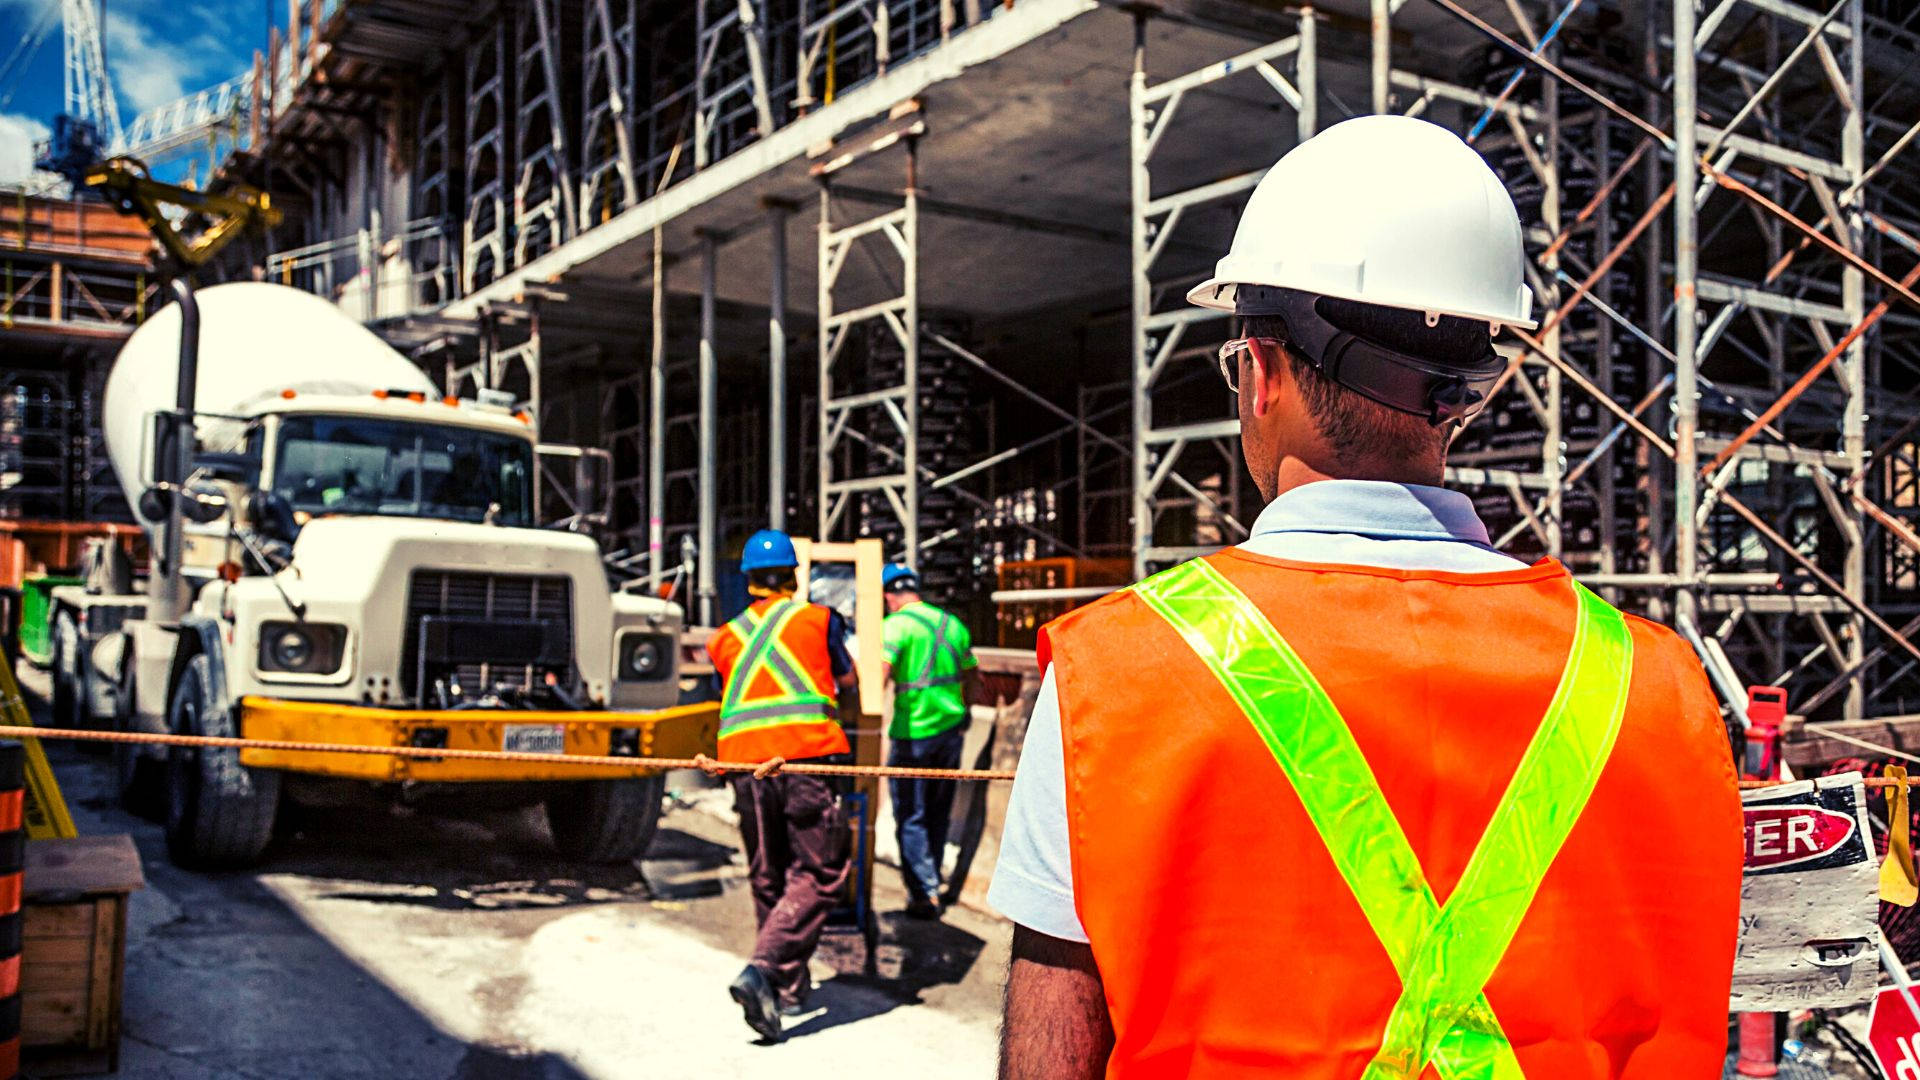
x=242 y=469
x=271 y=516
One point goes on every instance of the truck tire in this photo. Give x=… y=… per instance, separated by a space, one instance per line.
x=605 y=821
x=69 y=673
x=139 y=779
x=219 y=812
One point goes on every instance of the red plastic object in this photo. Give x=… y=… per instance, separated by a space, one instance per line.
x=1766 y=712
x=1757 y=1032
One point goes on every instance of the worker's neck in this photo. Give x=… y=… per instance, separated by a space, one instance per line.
x=1294 y=472
x=771 y=594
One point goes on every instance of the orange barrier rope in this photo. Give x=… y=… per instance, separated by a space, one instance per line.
x=759 y=768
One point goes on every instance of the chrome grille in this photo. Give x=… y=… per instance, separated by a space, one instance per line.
x=520 y=597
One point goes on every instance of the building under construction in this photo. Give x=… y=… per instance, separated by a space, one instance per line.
x=915 y=269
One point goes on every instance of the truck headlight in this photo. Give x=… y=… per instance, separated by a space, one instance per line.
x=304 y=648
x=645 y=657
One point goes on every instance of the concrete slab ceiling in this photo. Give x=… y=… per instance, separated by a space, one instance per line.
x=1023 y=171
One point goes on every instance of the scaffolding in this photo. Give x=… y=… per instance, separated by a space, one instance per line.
x=1721 y=203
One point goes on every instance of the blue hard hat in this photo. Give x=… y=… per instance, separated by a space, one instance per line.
x=768 y=549
x=896 y=572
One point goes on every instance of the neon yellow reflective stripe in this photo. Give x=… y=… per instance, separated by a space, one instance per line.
x=1548 y=791
x=765 y=651
x=1442 y=1016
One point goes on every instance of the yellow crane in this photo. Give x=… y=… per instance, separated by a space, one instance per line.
x=125 y=182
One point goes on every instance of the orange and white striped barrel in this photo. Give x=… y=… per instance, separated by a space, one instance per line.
x=13 y=851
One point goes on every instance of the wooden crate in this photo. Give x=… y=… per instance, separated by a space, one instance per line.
x=73 y=952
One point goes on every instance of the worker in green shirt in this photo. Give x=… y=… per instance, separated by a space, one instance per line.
x=929 y=665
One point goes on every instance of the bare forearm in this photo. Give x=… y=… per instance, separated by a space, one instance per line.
x=1056 y=1025
x=848 y=699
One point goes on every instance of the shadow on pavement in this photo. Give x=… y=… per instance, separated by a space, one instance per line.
x=913 y=955
x=487 y=1063
x=223 y=948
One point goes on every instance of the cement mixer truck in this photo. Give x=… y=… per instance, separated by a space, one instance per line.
x=356 y=561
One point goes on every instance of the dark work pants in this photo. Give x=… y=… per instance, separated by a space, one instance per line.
x=797 y=859
x=921 y=808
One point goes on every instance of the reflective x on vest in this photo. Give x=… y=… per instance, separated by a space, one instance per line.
x=1443 y=954
x=942 y=648
x=763 y=651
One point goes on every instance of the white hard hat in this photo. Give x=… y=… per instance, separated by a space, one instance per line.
x=1385 y=210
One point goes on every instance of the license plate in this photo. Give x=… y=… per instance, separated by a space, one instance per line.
x=534 y=739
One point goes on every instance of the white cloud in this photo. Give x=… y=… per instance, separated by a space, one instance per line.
x=17 y=136
x=148 y=73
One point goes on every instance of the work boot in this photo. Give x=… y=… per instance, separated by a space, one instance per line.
x=758 y=1003
x=921 y=907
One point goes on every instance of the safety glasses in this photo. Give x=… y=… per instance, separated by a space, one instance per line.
x=1230 y=357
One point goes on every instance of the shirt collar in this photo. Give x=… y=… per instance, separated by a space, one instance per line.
x=1375 y=508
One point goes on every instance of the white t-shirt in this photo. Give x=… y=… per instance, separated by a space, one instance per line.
x=1341 y=522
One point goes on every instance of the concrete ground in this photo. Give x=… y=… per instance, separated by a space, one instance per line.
x=396 y=942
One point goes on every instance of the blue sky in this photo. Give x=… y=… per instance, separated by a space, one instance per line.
x=157 y=51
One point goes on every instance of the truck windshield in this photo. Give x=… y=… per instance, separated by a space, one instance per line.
x=356 y=465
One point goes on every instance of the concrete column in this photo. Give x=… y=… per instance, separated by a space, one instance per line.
x=657 y=421
x=709 y=418
x=1382 y=36
x=777 y=366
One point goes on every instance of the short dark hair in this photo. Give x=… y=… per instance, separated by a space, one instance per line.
x=775 y=578
x=1354 y=424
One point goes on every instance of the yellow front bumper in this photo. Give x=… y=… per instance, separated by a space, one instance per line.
x=681 y=731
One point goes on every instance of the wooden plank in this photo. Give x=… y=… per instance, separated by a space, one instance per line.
x=103 y=1005
x=82 y=866
x=40 y=921
x=53 y=1018
x=38 y=975
x=1807 y=746
x=1809 y=899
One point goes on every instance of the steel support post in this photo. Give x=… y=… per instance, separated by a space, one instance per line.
x=657 y=420
x=777 y=366
x=1553 y=444
x=708 y=523
x=1853 y=424
x=910 y=277
x=1380 y=53
x=825 y=340
x=1686 y=258
x=1140 y=182
x=1307 y=72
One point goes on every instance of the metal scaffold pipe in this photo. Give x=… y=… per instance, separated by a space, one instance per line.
x=1686 y=327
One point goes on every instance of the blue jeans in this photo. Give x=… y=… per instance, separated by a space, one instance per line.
x=921 y=808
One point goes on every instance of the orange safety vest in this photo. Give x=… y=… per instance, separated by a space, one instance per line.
x=778 y=688
x=1229 y=941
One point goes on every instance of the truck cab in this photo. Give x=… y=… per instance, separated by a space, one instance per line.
x=364 y=566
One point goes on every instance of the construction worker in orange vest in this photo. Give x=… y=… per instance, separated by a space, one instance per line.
x=788 y=694
x=1363 y=797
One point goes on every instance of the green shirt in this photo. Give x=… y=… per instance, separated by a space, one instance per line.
x=928 y=650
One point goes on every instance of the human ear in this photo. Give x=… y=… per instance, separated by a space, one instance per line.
x=1257 y=368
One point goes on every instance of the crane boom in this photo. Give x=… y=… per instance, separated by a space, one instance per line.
x=89 y=93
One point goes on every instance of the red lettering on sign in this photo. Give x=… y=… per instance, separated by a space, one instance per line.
x=1781 y=835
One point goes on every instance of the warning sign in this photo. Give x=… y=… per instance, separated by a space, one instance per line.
x=1893 y=1030
x=1783 y=837
x=1809 y=900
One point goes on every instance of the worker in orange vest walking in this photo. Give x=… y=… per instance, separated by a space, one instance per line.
x=788 y=694
x=1363 y=797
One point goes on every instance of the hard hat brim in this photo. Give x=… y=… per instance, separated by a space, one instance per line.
x=1218 y=294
